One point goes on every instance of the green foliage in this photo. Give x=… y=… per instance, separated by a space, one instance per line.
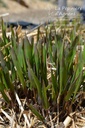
x=31 y=63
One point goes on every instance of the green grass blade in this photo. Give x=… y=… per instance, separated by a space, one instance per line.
x=3 y=93
x=5 y=72
x=54 y=84
x=45 y=98
x=21 y=57
x=37 y=60
x=28 y=49
x=39 y=116
x=37 y=83
x=19 y=70
x=45 y=65
x=2 y=87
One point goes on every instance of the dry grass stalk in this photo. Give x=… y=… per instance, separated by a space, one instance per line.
x=22 y=109
x=68 y=120
x=5 y=14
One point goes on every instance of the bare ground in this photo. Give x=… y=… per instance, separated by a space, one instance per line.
x=38 y=11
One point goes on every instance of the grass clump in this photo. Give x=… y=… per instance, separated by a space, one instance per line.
x=47 y=71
